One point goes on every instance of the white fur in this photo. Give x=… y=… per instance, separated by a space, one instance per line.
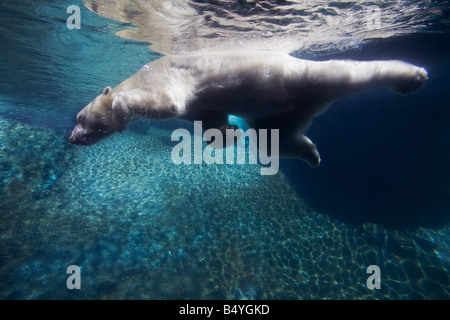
x=269 y=90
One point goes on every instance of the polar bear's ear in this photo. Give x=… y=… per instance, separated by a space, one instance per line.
x=107 y=90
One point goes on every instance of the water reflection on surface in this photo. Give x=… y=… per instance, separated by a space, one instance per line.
x=176 y=26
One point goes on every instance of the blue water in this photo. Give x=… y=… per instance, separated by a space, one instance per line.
x=140 y=227
x=396 y=168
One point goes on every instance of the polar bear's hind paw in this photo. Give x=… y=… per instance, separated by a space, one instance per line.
x=411 y=82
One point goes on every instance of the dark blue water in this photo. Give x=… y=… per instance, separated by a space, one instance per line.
x=140 y=227
x=386 y=156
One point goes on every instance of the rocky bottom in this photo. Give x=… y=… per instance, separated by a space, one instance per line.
x=141 y=227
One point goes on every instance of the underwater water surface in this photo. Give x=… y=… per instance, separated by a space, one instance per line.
x=141 y=227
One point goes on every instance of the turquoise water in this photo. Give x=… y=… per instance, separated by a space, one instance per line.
x=140 y=227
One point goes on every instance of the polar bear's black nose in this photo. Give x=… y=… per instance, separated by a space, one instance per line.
x=72 y=140
x=75 y=137
x=79 y=141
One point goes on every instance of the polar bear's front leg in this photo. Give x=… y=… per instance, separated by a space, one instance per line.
x=129 y=105
x=230 y=133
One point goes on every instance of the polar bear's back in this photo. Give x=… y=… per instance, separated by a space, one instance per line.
x=238 y=82
x=236 y=63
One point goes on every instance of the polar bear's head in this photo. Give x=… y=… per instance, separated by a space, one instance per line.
x=96 y=121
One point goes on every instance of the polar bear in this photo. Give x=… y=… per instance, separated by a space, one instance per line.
x=269 y=90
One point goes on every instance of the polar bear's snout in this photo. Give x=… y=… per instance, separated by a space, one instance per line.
x=79 y=136
x=88 y=135
x=74 y=137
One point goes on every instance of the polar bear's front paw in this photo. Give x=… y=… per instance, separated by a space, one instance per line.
x=224 y=142
x=410 y=81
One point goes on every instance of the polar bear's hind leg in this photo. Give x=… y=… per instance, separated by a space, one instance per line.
x=292 y=142
x=306 y=150
x=410 y=80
